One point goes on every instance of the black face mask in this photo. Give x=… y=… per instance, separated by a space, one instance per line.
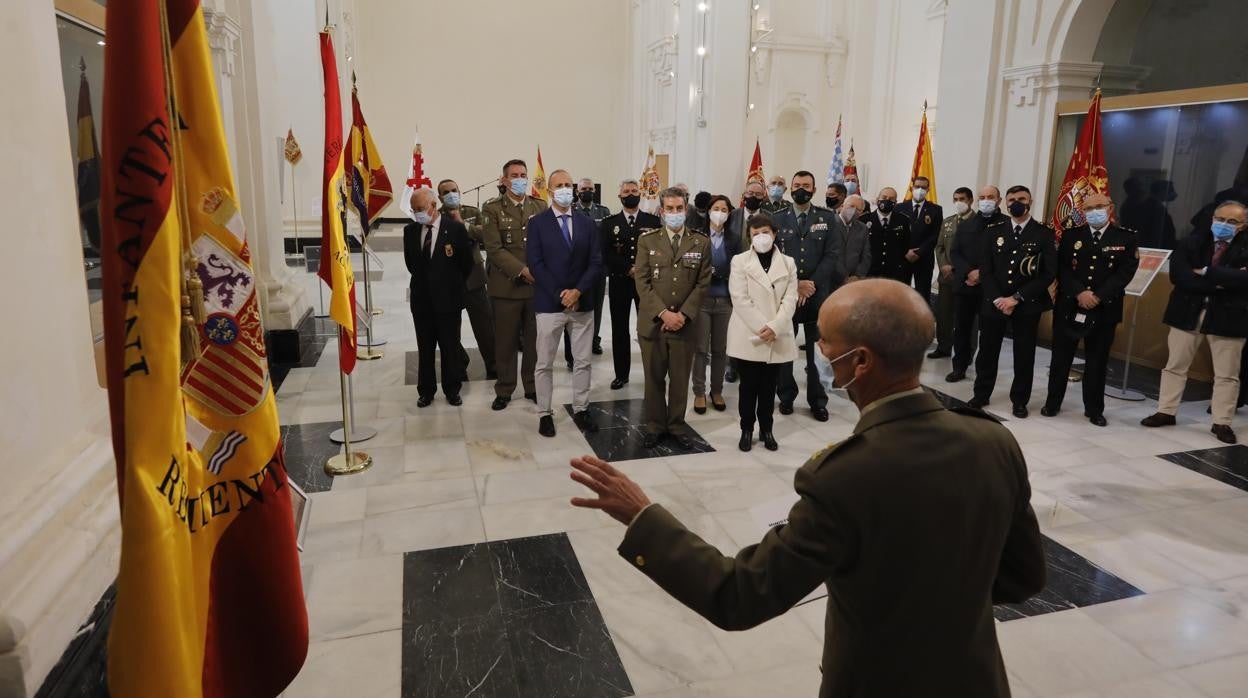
x=630 y=201
x=886 y=206
x=832 y=202
x=586 y=197
x=1018 y=208
x=801 y=197
x=752 y=203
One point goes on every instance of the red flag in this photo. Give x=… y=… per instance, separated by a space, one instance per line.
x=335 y=254
x=755 y=173
x=366 y=175
x=1086 y=173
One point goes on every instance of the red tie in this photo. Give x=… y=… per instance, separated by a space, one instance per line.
x=1219 y=247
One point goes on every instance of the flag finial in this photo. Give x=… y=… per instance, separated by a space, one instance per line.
x=82 y=64
x=925 y=106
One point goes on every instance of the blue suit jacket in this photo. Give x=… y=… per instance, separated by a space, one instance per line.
x=556 y=267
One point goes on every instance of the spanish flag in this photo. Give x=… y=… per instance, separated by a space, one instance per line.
x=369 y=183
x=923 y=166
x=336 y=256
x=537 y=188
x=209 y=596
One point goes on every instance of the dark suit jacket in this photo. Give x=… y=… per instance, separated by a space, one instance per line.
x=917 y=523
x=618 y=239
x=1222 y=291
x=970 y=246
x=557 y=267
x=889 y=245
x=1024 y=267
x=438 y=282
x=924 y=228
x=1104 y=268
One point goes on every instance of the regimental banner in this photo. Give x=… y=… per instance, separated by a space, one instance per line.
x=923 y=165
x=836 y=168
x=367 y=179
x=88 y=165
x=1085 y=175
x=650 y=184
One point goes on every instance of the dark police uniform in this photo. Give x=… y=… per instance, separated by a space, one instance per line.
x=775 y=207
x=970 y=245
x=889 y=244
x=1021 y=262
x=477 y=300
x=925 y=222
x=810 y=239
x=619 y=250
x=503 y=225
x=1104 y=267
x=673 y=279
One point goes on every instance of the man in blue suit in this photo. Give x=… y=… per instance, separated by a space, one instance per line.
x=565 y=257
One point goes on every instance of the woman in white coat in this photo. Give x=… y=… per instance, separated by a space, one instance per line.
x=763 y=286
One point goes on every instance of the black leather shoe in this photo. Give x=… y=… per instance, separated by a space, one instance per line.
x=1224 y=433
x=424 y=400
x=455 y=400
x=819 y=413
x=769 y=440
x=1158 y=419
x=682 y=440
x=531 y=397
x=747 y=441
x=939 y=354
x=730 y=376
x=649 y=440
x=786 y=408
x=500 y=403
x=491 y=375
x=585 y=422
x=597 y=347
x=978 y=403
x=1047 y=411
x=1097 y=419
x=619 y=383
x=546 y=426
x=955 y=376
x=1020 y=411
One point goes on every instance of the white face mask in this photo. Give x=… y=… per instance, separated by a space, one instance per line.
x=718 y=217
x=961 y=207
x=422 y=217
x=987 y=206
x=919 y=194
x=564 y=196
x=848 y=214
x=762 y=242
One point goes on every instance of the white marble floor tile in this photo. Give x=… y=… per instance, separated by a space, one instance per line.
x=355 y=597
x=793 y=679
x=1167 y=685
x=418 y=529
x=335 y=506
x=499 y=455
x=1126 y=557
x=425 y=495
x=518 y=486
x=1067 y=651
x=366 y=666
x=1174 y=628
x=1221 y=678
x=539 y=516
x=608 y=574
x=436 y=459
x=777 y=642
x=388 y=466
x=334 y=541
x=1203 y=538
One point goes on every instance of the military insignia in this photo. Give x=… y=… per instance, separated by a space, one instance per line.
x=485 y=220
x=652 y=252
x=1000 y=242
x=449 y=250
x=1079 y=244
x=507 y=239
x=927 y=220
x=617 y=230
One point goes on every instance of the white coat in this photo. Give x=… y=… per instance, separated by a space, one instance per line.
x=762 y=299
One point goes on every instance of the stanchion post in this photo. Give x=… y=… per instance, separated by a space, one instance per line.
x=349 y=461
x=358 y=433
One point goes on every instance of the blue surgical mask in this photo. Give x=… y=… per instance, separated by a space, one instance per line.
x=564 y=196
x=451 y=199
x=1223 y=230
x=851 y=187
x=674 y=221
x=775 y=191
x=422 y=217
x=1097 y=218
x=828 y=378
x=987 y=207
x=520 y=186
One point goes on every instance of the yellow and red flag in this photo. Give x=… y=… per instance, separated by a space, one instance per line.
x=650 y=184
x=367 y=179
x=335 y=268
x=537 y=189
x=209 y=600
x=88 y=164
x=1086 y=173
x=923 y=165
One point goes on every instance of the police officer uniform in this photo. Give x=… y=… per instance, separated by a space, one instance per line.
x=1102 y=262
x=1020 y=263
x=598 y=213
x=890 y=241
x=476 y=300
x=503 y=224
x=672 y=272
x=925 y=219
x=811 y=239
x=619 y=249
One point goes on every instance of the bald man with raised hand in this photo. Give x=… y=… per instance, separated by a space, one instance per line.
x=920 y=503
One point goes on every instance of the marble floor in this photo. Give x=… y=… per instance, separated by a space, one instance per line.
x=456 y=566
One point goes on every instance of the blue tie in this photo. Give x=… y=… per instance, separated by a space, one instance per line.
x=567 y=234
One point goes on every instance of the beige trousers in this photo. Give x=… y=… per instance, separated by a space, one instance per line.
x=1226 y=352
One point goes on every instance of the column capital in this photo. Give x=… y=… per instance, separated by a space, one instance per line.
x=223 y=35
x=1027 y=83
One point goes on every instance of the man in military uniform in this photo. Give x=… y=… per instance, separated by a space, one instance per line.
x=945 y=305
x=970 y=247
x=672 y=271
x=619 y=249
x=597 y=212
x=476 y=300
x=925 y=218
x=889 y=233
x=1019 y=265
x=1095 y=262
x=808 y=234
x=775 y=196
x=503 y=223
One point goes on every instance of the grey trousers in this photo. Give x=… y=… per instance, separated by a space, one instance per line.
x=710 y=332
x=550 y=327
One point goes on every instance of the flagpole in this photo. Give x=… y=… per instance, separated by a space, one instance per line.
x=348 y=462
x=368 y=353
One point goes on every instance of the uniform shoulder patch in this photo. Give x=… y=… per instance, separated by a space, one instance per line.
x=824 y=454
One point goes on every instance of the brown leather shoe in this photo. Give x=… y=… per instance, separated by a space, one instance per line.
x=1158 y=419
x=699 y=404
x=717 y=401
x=1224 y=433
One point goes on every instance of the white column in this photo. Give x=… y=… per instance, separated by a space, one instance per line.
x=970 y=80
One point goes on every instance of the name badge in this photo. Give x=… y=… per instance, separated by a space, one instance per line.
x=449 y=249
x=819 y=226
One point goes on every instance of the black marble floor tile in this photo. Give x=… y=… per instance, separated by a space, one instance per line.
x=1227 y=464
x=314 y=334
x=1073 y=582
x=82 y=671
x=505 y=618
x=307 y=448
x=411 y=366
x=619 y=433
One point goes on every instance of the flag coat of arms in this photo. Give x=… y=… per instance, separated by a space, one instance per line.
x=650 y=184
x=537 y=186
x=923 y=165
x=836 y=168
x=209 y=596
x=1086 y=173
x=367 y=179
x=335 y=268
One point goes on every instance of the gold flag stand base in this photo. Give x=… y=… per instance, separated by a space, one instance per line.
x=370 y=354
x=348 y=463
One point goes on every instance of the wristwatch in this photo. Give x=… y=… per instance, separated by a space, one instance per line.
x=1018 y=297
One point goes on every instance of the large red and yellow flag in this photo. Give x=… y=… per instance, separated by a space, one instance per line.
x=1086 y=173
x=650 y=184
x=88 y=165
x=755 y=173
x=537 y=186
x=367 y=179
x=335 y=268
x=209 y=596
x=923 y=165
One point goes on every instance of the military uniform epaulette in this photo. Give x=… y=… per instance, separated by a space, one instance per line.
x=822 y=455
x=699 y=231
x=974 y=412
x=994 y=224
x=647 y=231
x=491 y=200
x=1133 y=231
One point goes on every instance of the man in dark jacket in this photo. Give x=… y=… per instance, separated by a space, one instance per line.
x=1209 y=301
x=970 y=245
x=873 y=515
x=889 y=234
x=1095 y=263
x=925 y=220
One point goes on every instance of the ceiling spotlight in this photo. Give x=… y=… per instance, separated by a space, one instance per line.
x=753 y=49
x=756 y=7
x=702 y=7
x=701 y=50
x=751 y=105
x=671 y=73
